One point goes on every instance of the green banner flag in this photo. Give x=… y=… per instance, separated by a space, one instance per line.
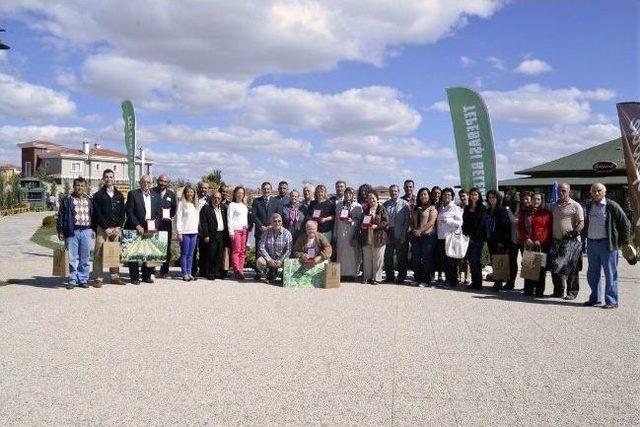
x=130 y=140
x=474 y=140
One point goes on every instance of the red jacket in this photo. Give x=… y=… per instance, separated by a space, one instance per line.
x=541 y=222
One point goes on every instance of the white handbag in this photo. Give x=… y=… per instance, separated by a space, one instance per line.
x=456 y=244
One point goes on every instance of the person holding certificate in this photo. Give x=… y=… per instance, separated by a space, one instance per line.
x=143 y=213
x=373 y=238
x=312 y=247
x=322 y=211
x=168 y=206
x=348 y=250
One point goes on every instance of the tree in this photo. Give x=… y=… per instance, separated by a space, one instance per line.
x=66 y=190
x=213 y=178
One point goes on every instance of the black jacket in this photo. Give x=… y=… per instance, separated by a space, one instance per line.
x=108 y=212
x=473 y=223
x=501 y=234
x=260 y=214
x=136 y=212
x=297 y=228
x=208 y=225
x=168 y=201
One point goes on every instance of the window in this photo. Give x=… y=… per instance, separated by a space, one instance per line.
x=75 y=167
x=27 y=168
x=97 y=166
x=46 y=164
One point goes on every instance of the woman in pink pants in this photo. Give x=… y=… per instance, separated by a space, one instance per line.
x=238 y=219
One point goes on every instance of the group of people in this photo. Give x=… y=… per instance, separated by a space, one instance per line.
x=366 y=236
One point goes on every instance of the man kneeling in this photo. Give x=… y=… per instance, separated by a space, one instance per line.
x=273 y=249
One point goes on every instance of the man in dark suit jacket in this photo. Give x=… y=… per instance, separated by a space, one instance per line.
x=293 y=216
x=214 y=232
x=168 y=207
x=142 y=205
x=261 y=210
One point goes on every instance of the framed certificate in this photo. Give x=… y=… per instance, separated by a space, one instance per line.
x=311 y=253
x=166 y=213
x=367 y=221
x=317 y=214
x=151 y=225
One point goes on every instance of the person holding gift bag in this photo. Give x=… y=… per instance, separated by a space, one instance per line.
x=449 y=221
x=108 y=216
x=74 y=228
x=534 y=227
x=498 y=230
x=373 y=238
x=168 y=206
x=348 y=249
x=473 y=219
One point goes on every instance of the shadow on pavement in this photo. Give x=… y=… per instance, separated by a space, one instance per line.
x=50 y=282
x=37 y=254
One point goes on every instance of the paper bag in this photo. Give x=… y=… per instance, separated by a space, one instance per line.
x=532 y=264
x=60 y=262
x=332 y=275
x=111 y=254
x=500 y=265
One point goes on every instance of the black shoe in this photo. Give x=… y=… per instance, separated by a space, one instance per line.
x=399 y=281
x=590 y=303
x=149 y=280
x=608 y=306
x=374 y=282
x=70 y=285
x=84 y=285
x=135 y=282
x=475 y=287
x=508 y=287
x=570 y=297
x=496 y=288
x=211 y=277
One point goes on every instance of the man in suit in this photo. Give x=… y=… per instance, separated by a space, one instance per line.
x=293 y=216
x=398 y=243
x=143 y=205
x=262 y=209
x=203 y=198
x=168 y=207
x=214 y=232
x=283 y=193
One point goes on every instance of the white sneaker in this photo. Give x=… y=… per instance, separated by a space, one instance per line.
x=422 y=285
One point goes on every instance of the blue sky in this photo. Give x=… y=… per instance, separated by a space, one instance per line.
x=317 y=91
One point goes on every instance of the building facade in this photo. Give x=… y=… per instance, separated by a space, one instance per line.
x=602 y=163
x=64 y=164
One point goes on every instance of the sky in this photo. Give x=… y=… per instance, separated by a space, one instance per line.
x=311 y=91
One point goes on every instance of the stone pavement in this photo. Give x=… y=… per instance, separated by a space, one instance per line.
x=249 y=353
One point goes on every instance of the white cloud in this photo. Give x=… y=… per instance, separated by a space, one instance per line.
x=441 y=106
x=466 y=61
x=240 y=40
x=496 y=63
x=533 y=67
x=391 y=146
x=549 y=143
x=24 y=100
x=376 y=109
x=153 y=85
x=536 y=104
x=236 y=169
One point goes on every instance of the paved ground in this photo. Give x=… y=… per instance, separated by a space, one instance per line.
x=250 y=353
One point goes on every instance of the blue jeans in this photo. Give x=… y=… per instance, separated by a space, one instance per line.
x=474 y=253
x=78 y=246
x=422 y=251
x=187 y=248
x=600 y=257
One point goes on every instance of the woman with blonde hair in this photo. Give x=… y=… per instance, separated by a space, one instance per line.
x=187 y=220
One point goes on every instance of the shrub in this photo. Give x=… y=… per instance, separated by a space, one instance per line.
x=49 y=221
x=250 y=258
